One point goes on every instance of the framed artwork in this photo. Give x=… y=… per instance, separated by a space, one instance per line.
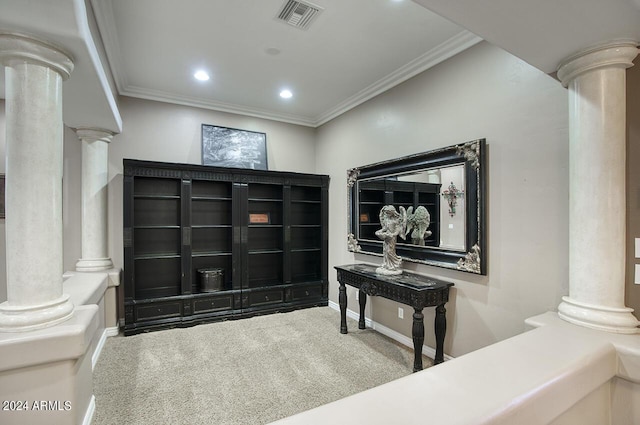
x=231 y=147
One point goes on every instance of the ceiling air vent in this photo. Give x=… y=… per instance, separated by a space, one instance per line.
x=298 y=14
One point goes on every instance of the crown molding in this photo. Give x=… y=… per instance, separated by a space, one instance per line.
x=440 y=53
x=160 y=96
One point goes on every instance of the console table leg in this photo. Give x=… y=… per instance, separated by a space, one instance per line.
x=363 y=303
x=418 y=339
x=342 y=300
x=440 y=331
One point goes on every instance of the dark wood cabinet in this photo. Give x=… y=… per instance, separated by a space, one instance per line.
x=264 y=232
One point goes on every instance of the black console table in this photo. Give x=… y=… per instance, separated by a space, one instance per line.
x=412 y=289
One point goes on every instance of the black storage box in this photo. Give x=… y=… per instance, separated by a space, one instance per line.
x=211 y=279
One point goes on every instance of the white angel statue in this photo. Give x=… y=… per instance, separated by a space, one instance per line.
x=393 y=224
x=417 y=224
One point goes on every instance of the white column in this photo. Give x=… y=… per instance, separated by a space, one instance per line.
x=596 y=80
x=95 y=161
x=34 y=138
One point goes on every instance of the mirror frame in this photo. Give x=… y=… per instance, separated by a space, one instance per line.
x=472 y=155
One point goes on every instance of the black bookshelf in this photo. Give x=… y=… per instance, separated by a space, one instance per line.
x=266 y=231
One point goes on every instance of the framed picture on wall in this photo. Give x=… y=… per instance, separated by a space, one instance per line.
x=231 y=147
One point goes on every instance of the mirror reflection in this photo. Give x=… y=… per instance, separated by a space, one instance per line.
x=433 y=200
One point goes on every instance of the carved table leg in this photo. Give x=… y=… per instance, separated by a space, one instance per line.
x=440 y=330
x=418 y=338
x=342 y=300
x=363 y=303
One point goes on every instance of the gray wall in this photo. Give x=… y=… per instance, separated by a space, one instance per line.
x=483 y=92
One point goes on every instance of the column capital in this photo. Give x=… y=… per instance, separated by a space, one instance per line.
x=92 y=134
x=618 y=54
x=18 y=48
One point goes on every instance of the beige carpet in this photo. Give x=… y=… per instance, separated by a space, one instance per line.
x=250 y=371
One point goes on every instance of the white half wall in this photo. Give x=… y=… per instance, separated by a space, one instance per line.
x=483 y=92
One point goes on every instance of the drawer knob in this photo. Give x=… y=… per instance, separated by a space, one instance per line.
x=266 y=297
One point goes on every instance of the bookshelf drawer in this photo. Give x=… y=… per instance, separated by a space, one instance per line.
x=160 y=310
x=212 y=304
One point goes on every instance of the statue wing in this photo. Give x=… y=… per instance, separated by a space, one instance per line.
x=403 y=222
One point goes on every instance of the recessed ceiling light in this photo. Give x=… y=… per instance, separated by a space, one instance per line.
x=286 y=94
x=201 y=76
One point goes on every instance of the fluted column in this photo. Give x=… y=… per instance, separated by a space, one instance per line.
x=34 y=71
x=95 y=158
x=596 y=80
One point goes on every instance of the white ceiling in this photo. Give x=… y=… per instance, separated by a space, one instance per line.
x=354 y=50
x=543 y=33
x=87 y=97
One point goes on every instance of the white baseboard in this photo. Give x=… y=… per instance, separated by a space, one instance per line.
x=98 y=350
x=91 y=410
x=397 y=336
x=355 y=316
x=103 y=338
x=114 y=331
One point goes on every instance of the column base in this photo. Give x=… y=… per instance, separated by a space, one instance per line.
x=608 y=319
x=94 y=264
x=28 y=318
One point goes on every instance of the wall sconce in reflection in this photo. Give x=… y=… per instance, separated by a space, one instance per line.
x=451 y=195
